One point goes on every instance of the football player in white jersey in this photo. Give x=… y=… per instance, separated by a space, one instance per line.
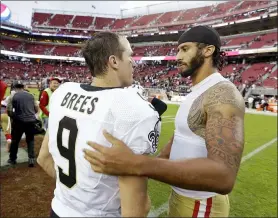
x=79 y=113
x=137 y=88
x=203 y=157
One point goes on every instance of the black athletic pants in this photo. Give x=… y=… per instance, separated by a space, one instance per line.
x=53 y=214
x=18 y=128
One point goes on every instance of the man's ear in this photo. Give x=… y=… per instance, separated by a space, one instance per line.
x=113 y=62
x=208 y=50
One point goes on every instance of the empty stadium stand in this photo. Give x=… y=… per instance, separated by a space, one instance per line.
x=221 y=9
x=240 y=40
x=60 y=20
x=167 y=17
x=37 y=48
x=82 y=21
x=40 y=18
x=264 y=40
x=69 y=51
x=255 y=71
x=194 y=13
x=144 y=20
x=271 y=81
x=11 y=45
x=101 y=22
x=121 y=23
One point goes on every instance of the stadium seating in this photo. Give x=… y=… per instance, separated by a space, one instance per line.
x=169 y=17
x=222 y=8
x=256 y=71
x=121 y=23
x=38 y=48
x=232 y=68
x=176 y=27
x=11 y=45
x=194 y=13
x=249 y=4
x=65 y=51
x=102 y=22
x=162 y=50
x=60 y=20
x=40 y=18
x=36 y=71
x=265 y=40
x=149 y=76
x=271 y=81
x=240 y=40
x=251 y=41
x=82 y=21
x=74 y=32
x=145 y=20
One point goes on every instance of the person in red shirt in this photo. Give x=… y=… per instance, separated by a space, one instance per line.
x=44 y=100
x=3 y=88
x=5 y=122
x=6 y=128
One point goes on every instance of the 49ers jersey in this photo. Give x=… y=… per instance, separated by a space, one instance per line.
x=79 y=113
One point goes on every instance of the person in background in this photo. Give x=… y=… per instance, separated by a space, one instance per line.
x=45 y=98
x=43 y=85
x=264 y=103
x=3 y=88
x=4 y=117
x=22 y=109
x=6 y=128
x=250 y=102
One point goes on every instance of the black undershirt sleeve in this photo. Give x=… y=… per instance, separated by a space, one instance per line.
x=159 y=106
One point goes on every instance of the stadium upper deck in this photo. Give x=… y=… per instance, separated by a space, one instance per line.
x=227 y=11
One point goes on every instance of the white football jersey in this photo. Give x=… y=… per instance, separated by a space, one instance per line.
x=79 y=113
x=137 y=88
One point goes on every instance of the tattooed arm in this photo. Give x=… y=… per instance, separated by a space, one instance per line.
x=225 y=127
x=224 y=135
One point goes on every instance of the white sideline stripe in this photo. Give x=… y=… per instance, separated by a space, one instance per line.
x=155 y=213
x=168 y=121
x=257 y=150
x=167 y=116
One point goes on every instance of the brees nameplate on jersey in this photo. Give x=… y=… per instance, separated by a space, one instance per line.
x=79 y=103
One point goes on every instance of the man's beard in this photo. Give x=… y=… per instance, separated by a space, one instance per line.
x=195 y=64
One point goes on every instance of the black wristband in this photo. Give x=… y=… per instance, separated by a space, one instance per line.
x=159 y=106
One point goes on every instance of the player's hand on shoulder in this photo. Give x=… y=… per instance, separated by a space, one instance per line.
x=115 y=160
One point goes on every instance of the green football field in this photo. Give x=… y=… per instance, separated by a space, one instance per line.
x=255 y=192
